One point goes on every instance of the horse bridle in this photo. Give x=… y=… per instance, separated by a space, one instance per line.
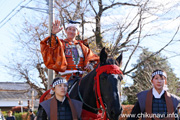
x=101 y=106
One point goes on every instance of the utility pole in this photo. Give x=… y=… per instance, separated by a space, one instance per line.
x=32 y=101
x=51 y=74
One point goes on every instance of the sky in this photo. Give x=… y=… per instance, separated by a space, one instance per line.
x=13 y=11
x=7 y=42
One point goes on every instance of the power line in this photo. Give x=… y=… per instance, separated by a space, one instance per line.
x=12 y=11
x=39 y=9
x=36 y=9
x=45 y=3
x=13 y=14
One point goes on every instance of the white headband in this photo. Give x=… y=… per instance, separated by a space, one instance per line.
x=159 y=73
x=59 y=82
x=73 y=25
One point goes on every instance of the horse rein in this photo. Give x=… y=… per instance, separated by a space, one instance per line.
x=96 y=109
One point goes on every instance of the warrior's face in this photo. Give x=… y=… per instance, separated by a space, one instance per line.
x=71 y=32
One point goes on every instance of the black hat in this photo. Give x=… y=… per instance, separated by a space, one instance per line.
x=73 y=24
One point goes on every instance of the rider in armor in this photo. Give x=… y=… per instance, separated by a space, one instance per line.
x=68 y=56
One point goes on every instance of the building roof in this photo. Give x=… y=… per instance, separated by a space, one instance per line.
x=14 y=86
x=16 y=90
x=14 y=95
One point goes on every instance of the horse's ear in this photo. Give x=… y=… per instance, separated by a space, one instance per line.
x=119 y=59
x=103 y=56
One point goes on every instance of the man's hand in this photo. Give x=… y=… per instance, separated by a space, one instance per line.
x=89 y=67
x=56 y=27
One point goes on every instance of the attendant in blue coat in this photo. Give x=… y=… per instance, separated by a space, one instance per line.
x=10 y=116
x=59 y=107
x=156 y=103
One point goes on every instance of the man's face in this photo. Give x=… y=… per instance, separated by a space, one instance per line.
x=71 y=32
x=60 y=89
x=158 y=82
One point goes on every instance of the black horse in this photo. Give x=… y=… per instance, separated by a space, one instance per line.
x=86 y=90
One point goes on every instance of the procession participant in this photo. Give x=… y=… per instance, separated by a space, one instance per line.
x=60 y=106
x=67 y=56
x=10 y=116
x=156 y=103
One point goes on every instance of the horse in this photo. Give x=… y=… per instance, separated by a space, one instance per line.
x=99 y=89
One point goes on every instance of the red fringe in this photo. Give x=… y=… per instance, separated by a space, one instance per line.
x=86 y=115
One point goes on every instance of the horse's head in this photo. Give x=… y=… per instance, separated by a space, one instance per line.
x=110 y=84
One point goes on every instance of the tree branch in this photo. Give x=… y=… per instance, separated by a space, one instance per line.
x=154 y=53
x=118 y=3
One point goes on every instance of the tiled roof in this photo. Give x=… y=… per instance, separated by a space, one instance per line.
x=14 y=95
x=14 y=86
x=15 y=90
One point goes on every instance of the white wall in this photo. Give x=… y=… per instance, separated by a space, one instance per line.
x=11 y=103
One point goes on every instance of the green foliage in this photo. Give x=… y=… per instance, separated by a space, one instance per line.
x=142 y=76
x=125 y=102
x=4 y=112
x=18 y=116
x=35 y=112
